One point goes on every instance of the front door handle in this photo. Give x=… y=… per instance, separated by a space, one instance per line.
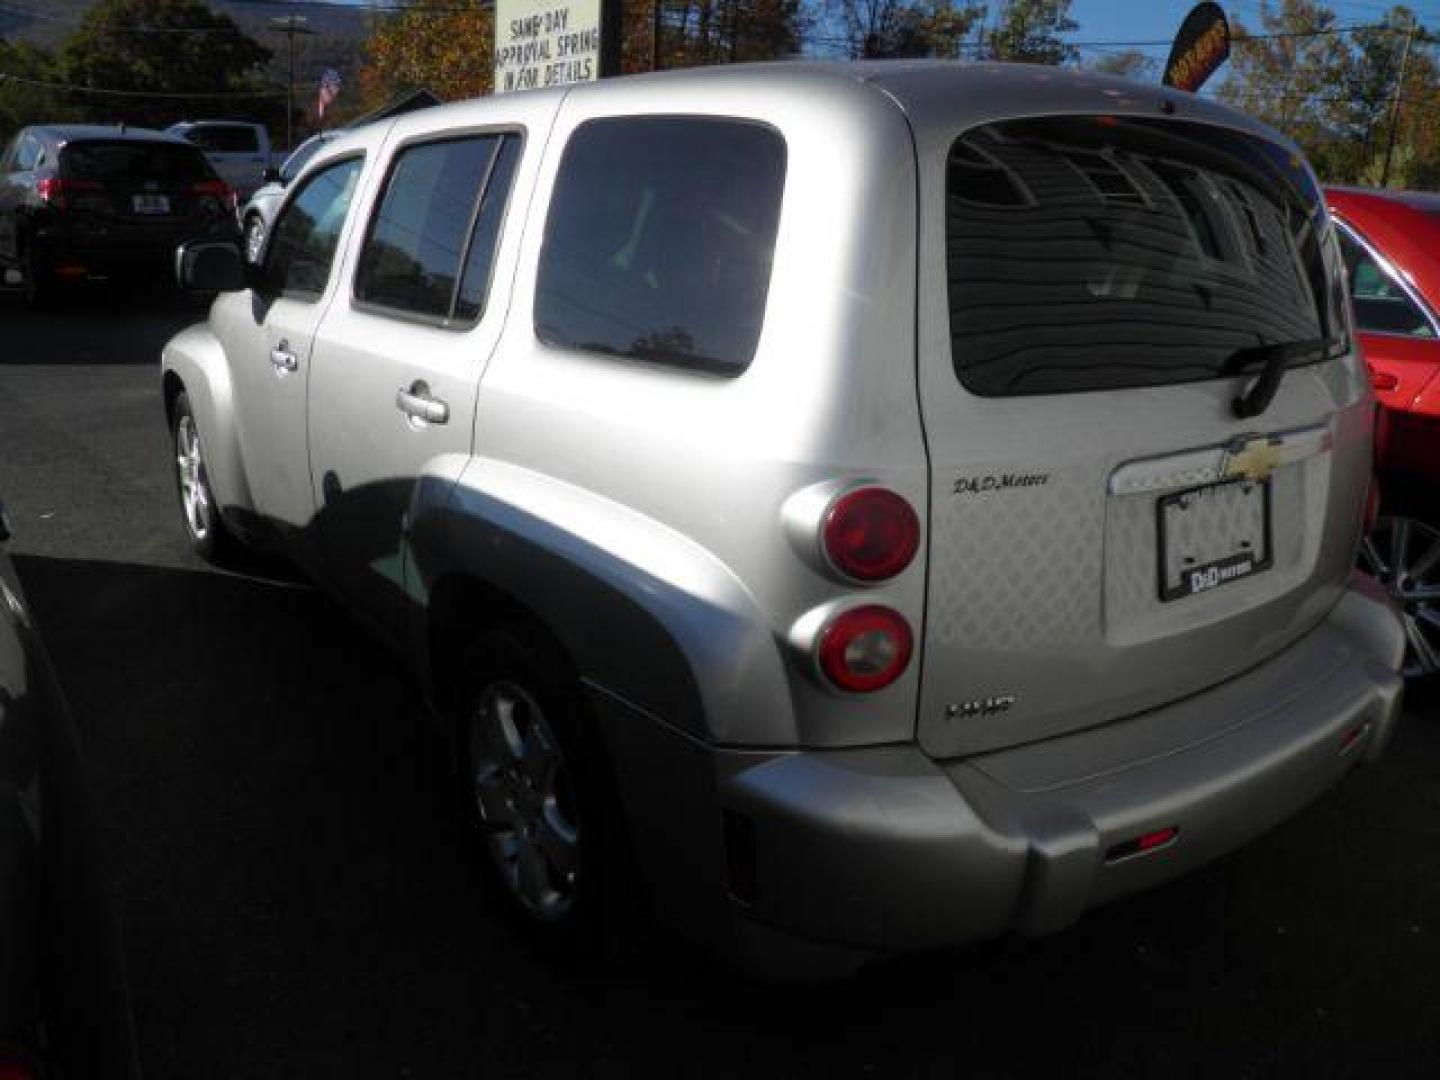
x=417 y=404
x=283 y=359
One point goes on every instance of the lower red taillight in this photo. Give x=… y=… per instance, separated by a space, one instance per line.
x=218 y=190
x=865 y=648
x=1140 y=845
x=1383 y=380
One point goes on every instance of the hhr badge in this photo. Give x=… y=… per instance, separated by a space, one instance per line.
x=990 y=706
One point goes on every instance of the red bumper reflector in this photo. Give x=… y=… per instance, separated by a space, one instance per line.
x=1150 y=841
x=1353 y=736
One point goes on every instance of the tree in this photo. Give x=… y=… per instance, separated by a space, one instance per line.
x=696 y=32
x=1029 y=33
x=1284 y=74
x=23 y=97
x=117 y=47
x=1129 y=64
x=446 y=46
x=904 y=28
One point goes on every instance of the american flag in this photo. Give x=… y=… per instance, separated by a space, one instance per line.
x=329 y=90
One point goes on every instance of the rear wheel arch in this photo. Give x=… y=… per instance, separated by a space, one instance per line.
x=172 y=386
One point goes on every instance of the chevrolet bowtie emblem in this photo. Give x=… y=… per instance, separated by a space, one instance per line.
x=1252 y=459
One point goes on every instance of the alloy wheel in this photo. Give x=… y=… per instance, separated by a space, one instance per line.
x=194 y=487
x=525 y=800
x=1404 y=555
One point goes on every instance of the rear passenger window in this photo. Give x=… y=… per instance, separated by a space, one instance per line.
x=660 y=238
x=432 y=240
x=297 y=261
x=1381 y=304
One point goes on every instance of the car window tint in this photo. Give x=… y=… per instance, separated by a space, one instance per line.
x=412 y=256
x=302 y=247
x=1095 y=253
x=225 y=139
x=134 y=162
x=1381 y=304
x=29 y=151
x=475 y=280
x=660 y=238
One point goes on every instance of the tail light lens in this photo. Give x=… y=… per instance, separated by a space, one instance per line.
x=219 y=194
x=865 y=648
x=58 y=193
x=1383 y=380
x=870 y=534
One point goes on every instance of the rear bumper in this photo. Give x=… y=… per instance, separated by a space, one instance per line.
x=886 y=850
x=122 y=252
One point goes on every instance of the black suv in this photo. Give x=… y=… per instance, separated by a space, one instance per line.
x=85 y=203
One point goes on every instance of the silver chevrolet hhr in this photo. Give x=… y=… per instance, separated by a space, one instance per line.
x=868 y=507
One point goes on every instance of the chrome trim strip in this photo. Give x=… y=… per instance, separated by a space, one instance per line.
x=1212 y=464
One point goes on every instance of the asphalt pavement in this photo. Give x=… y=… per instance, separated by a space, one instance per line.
x=300 y=899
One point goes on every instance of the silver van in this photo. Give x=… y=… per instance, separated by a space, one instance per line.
x=864 y=507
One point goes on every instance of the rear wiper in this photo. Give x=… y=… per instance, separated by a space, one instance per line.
x=1276 y=359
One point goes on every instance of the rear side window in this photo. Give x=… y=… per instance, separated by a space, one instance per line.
x=224 y=139
x=1095 y=253
x=660 y=238
x=1382 y=306
x=431 y=242
x=134 y=163
x=302 y=246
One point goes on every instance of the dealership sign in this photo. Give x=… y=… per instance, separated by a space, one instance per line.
x=541 y=43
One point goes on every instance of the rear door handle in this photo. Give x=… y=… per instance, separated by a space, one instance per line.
x=283 y=359
x=417 y=404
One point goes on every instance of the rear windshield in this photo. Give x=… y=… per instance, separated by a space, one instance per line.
x=133 y=162
x=1095 y=253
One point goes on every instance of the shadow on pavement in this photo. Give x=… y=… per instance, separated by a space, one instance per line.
x=105 y=326
x=300 y=898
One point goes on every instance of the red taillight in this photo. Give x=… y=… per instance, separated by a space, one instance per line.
x=55 y=191
x=865 y=648
x=1139 y=845
x=1383 y=380
x=217 y=189
x=870 y=534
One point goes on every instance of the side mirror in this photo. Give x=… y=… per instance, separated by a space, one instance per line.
x=272 y=176
x=208 y=266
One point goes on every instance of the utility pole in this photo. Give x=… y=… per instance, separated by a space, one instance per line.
x=1395 y=105
x=290 y=25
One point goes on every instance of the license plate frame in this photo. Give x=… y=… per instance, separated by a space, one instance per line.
x=1199 y=574
x=150 y=204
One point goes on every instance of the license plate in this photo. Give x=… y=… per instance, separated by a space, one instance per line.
x=150 y=204
x=1213 y=536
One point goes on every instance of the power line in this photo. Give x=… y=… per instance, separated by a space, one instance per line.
x=48 y=84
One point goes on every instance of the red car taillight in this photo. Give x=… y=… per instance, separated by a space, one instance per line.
x=57 y=193
x=223 y=195
x=870 y=534
x=1383 y=380
x=865 y=648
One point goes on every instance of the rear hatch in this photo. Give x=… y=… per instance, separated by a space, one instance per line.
x=1107 y=535
x=136 y=189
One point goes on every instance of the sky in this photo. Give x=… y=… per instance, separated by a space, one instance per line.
x=1157 y=20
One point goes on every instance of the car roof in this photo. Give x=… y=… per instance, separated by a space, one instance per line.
x=65 y=133
x=215 y=123
x=1404 y=226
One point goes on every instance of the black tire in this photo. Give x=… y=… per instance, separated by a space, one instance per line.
x=201 y=519
x=597 y=904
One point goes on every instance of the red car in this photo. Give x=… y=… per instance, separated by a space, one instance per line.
x=1391 y=243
